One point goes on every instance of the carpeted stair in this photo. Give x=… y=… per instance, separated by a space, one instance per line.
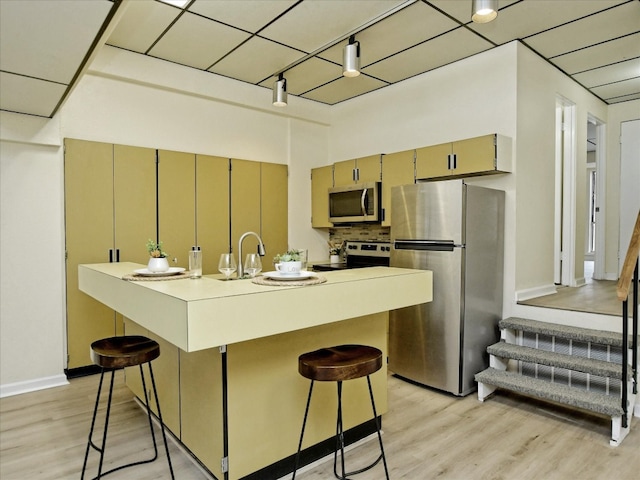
x=560 y=364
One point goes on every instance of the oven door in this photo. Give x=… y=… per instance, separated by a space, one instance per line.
x=361 y=261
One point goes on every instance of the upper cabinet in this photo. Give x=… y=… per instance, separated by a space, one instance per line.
x=397 y=169
x=321 y=182
x=475 y=156
x=484 y=155
x=360 y=170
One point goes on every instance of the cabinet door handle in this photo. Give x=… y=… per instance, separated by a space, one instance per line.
x=455 y=161
x=117 y=255
x=110 y=255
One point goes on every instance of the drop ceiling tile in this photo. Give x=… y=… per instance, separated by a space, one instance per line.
x=599 y=55
x=308 y=75
x=197 y=42
x=311 y=25
x=610 y=73
x=618 y=89
x=613 y=23
x=256 y=60
x=343 y=89
x=29 y=95
x=48 y=40
x=400 y=31
x=142 y=24
x=528 y=17
x=448 y=48
x=250 y=15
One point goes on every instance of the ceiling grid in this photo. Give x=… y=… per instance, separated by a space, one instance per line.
x=596 y=42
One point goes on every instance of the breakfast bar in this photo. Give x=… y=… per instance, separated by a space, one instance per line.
x=229 y=386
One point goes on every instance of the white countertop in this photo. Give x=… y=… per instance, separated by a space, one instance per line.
x=207 y=312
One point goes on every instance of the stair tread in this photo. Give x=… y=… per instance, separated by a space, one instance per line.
x=596 y=402
x=602 y=337
x=554 y=359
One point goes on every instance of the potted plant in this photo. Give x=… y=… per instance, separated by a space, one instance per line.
x=158 y=262
x=335 y=252
x=288 y=263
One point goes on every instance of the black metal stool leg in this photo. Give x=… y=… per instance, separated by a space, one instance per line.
x=104 y=436
x=375 y=418
x=339 y=438
x=304 y=423
x=164 y=435
x=93 y=423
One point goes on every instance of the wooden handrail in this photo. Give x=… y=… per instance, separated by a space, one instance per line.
x=630 y=260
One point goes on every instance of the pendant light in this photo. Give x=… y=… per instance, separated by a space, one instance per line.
x=280 y=92
x=483 y=11
x=351 y=63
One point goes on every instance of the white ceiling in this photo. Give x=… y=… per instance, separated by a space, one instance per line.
x=46 y=44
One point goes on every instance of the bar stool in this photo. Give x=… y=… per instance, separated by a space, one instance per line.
x=336 y=364
x=112 y=354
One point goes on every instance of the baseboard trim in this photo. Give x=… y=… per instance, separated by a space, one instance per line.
x=529 y=293
x=27 y=386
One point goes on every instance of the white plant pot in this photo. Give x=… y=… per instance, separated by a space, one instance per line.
x=158 y=265
x=334 y=258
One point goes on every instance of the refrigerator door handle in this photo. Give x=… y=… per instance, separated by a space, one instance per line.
x=437 y=245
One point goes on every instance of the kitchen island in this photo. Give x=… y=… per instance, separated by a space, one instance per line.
x=230 y=387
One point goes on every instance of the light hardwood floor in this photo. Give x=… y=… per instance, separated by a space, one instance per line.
x=427 y=434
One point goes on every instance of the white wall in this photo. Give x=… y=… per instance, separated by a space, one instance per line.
x=31 y=254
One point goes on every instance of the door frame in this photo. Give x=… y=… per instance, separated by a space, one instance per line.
x=601 y=169
x=565 y=194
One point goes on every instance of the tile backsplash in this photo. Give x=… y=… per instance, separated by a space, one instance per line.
x=367 y=232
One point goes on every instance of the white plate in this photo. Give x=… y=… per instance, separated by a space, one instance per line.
x=280 y=276
x=148 y=273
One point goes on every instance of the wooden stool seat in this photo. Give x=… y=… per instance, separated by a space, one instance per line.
x=343 y=362
x=127 y=351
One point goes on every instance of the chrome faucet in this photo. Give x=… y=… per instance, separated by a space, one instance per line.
x=261 y=251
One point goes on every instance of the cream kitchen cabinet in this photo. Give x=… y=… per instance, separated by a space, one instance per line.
x=360 y=170
x=177 y=205
x=274 y=200
x=397 y=169
x=475 y=156
x=259 y=203
x=321 y=182
x=110 y=205
x=212 y=212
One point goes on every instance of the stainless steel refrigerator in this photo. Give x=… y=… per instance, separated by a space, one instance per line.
x=457 y=231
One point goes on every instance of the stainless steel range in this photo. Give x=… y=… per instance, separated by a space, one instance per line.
x=367 y=254
x=361 y=254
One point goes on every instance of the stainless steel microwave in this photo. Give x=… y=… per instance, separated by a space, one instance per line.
x=355 y=203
